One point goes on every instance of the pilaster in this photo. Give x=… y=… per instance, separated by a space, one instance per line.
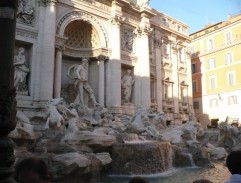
x=142 y=71
x=113 y=96
x=46 y=50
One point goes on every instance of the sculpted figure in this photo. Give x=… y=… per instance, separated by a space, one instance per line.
x=55 y=119
x=25 y=11
x=143 y=3
x=127 y=83
x=20 y=71
x=79 y=73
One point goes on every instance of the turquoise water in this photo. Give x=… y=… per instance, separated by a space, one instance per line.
x=219 y=174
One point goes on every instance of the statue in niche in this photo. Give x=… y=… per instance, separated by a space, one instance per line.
x=127 y=83
x=20 y=72
x=79 y=73
x=25 y=11
x=127 y=40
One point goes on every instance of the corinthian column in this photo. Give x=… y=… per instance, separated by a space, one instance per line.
x=101 y=60
x=7 y=93
x=60 y=41
x=113 y=96
x=45 y=50
x=142 y=86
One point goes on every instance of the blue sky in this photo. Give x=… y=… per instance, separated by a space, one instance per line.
x=197 y=13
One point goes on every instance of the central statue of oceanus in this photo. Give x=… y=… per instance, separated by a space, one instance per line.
x=79 y=72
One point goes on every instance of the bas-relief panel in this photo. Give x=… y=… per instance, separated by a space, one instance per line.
x=26 y=12
x=127 y=40
x=129 y=17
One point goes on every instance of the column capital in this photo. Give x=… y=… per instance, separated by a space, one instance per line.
x=102 y=58
x=117 y=20
x=60 y=42
x=143 y=31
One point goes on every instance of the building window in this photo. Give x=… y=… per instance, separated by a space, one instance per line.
x=194 y=86
x=228 y=38
x=232 y=100
x=211 y=63
x=228 y=58
x=193 y=52
x=181 y=55
x=194 y=69
x=213 y=103
x=212 y=80
x=210 y=44
x=231 y=78
x=184 y=92
x=196 y=105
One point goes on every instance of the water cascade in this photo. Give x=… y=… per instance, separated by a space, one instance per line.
x=141 y=158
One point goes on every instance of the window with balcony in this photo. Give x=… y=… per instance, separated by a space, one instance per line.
x=231 y=78
x=184 y=92
x=212 y=81
x=228 y=58
x=213 y=102
x=228 y=38
x=167 y=89
x=232 y=100
x=211 y=63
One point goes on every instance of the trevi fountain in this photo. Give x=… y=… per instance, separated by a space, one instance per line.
x=83 y=97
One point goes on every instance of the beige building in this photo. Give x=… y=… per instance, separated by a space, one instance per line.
x=216 y=64
x=114 y=36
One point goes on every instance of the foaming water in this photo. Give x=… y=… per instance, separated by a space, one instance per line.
x=219 y=174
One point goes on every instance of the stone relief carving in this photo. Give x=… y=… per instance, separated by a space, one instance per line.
x=26 y=11
x=127 y=39
x=143 y=31
x=141 y=3
x=117 y=20
x=20 y=72
x=127 y=82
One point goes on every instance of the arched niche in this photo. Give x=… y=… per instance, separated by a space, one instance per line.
x=81 y=16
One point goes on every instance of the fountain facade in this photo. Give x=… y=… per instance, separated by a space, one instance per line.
x=86 y=105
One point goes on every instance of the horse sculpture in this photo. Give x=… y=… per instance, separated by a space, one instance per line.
x=55 y=119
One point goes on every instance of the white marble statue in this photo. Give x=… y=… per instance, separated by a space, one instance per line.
x=127 y=83
x=143 y=3
x=79 y=72
x=55 y=119
x=20 y=71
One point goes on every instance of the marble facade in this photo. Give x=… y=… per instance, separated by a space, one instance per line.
x=115 y=36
